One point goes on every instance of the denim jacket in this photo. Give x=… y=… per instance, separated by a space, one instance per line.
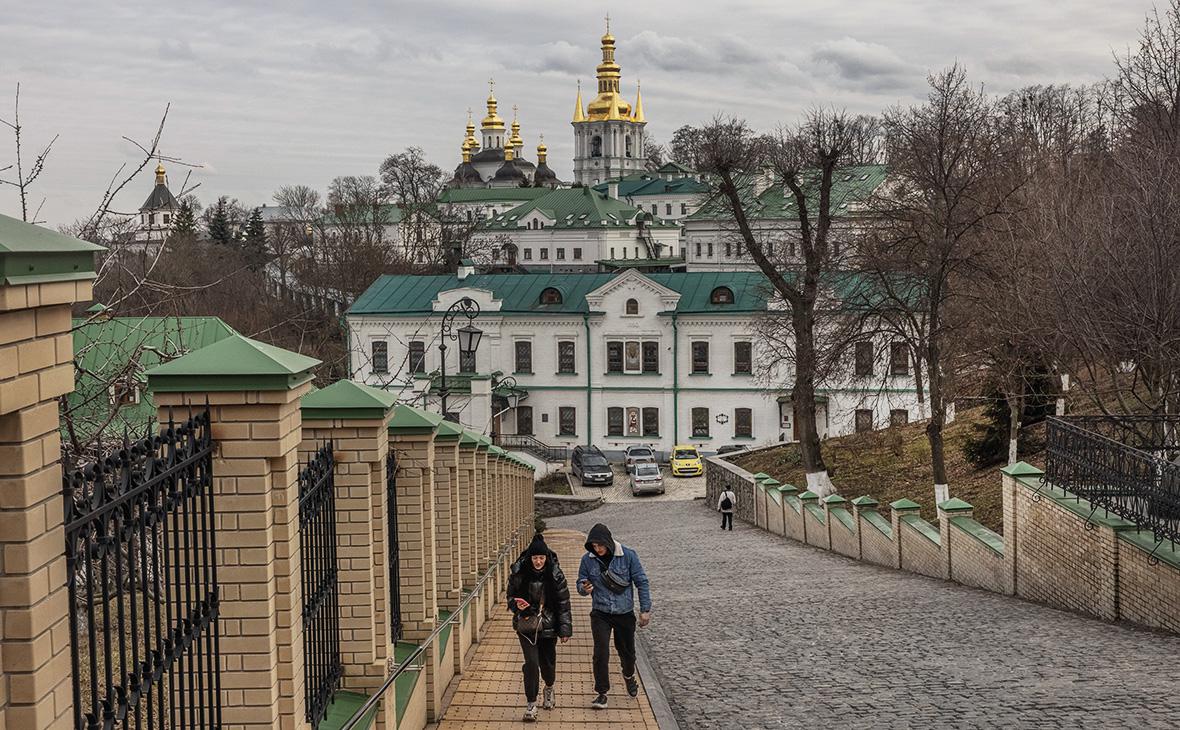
x=625 y=564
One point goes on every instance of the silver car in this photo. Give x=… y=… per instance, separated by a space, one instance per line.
x=638 y=455
x=646 y=479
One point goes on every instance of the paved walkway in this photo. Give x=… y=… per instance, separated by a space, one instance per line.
x=491 y=692
x=751 y=630
x=676 y=489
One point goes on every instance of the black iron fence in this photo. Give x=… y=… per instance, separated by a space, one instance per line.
x=395 y=598
x=141 y=571
x=532 y=445
x=320 y=579
x=1125 y=467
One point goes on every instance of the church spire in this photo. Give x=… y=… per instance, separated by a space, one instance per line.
x=579 y=115
x=609 y=74
x=637 y=115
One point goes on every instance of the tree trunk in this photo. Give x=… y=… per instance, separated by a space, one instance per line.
x=803 y=404
x=936 y=422
x=1015 y=413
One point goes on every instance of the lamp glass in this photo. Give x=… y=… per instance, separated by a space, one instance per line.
x=469 y=339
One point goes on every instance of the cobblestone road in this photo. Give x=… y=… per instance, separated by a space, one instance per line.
x=675 y=488
x=754 y=631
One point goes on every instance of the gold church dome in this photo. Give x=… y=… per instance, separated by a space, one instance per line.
x=609 y=104
x=492 y=120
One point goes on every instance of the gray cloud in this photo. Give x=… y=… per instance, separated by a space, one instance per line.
x=267 y=94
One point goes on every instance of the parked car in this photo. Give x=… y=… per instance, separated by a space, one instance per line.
x=638 y=455
x=647 y=479
x=589 y=464
x=686 y=461
x=731 y=449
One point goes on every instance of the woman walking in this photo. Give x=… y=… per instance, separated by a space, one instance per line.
x=540 y=603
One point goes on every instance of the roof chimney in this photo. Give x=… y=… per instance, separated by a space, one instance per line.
x=763 y=180
x=466 y=268
x=612 y=189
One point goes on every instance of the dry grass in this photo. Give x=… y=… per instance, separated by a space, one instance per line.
x=555 y=483
x=894 y=463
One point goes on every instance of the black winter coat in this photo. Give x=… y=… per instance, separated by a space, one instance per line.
x=550 y=584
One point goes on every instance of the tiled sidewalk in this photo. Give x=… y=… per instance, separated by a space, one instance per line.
x=491 y=691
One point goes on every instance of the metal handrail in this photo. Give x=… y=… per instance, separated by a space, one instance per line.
x=407 y=663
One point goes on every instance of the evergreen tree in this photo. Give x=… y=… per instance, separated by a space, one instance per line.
x=254 y=243
x=185 y=222
x=220 y=230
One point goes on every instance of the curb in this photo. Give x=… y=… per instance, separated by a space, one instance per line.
x=653 y=689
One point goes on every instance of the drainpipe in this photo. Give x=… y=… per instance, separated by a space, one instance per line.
x=589 y=407
x=675 y=382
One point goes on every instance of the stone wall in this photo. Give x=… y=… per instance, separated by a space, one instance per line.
x=559 y=505
x=1055 y=549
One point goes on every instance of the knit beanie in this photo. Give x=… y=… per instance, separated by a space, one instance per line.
x=537 y=547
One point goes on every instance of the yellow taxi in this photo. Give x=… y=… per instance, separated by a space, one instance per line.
x=686 y=461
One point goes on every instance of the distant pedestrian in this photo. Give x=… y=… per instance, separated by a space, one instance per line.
x=610 y=574
x=540 y=603
x=725 y=505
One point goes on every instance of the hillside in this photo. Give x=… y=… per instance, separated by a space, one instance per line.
x=895 y=463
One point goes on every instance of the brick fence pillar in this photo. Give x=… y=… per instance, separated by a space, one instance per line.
x=42 y=274
x=355 y=419
x=947 y=510
x=1012 y=537
x=447 y=547
x=253 y=392
x=897 y=510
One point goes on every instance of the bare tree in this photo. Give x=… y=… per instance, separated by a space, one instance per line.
x=412 y=183
x=951 y=180
x=24 y=176
x=804 y=160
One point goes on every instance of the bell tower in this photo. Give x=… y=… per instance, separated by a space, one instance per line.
x=608 y=134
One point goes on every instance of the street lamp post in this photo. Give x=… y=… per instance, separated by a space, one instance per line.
x=467 y=335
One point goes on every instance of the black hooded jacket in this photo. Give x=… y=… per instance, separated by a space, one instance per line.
x=549 y=585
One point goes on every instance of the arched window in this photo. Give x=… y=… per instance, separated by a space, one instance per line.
x=628 y=144
x=721 y=295
x=550 y=295
x=596 y=146
x=632 y=306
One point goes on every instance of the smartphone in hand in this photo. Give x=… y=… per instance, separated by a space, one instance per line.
x=521 y=604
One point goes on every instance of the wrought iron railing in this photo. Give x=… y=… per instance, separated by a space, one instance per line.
x=532 y=445
x=1138 y=482
x=395 y=597
x=320 y=579
x=141 y=573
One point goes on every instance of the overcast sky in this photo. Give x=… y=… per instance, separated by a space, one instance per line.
x=267 y=93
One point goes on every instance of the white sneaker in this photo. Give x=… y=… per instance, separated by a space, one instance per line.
x=549 y=702
x=530 y=712
x=599 y=702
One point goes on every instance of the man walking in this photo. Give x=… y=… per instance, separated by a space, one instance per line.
x=725 y=504
x=610 y=573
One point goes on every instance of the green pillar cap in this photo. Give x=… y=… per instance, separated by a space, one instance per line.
x=760 y=476
x=410 y=420
x=1022 y=469
x=787 y=488
x=769 y=482
x=497 y=451
x=31 y=254
x=485 y=441
x=904 y=503
x=808 y=495
x=448 y=431
x=236 y=363
x=834 y=499
x=347 y=399
x=469 y=439
x=954 y=504
x=865 y=501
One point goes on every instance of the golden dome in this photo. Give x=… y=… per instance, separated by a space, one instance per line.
x=515 y=140
x=160 y=173
x=604 y=105
x=542 y=150
x=492 y=120
x=469 y=141
x=508 y=150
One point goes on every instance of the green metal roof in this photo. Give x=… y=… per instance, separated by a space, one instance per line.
x=576 y=208
x=646 y=183
x=235 y=363
x=850 y=185
x=406 y=294
x=31 y=254
x=104 y=348
x=347 y=399
x=386 y=214
x=490 y=195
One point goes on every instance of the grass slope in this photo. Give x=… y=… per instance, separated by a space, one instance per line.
x=895 y=462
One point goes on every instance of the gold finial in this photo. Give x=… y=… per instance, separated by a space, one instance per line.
x=508 y=150
x=466 y=148
x=491 y=87
x=542 y=151
x=492 y=120
x=637 y=115
x=579 y=115
x=608 y=24
x=515 y=140
x=609 y=74
x=159 y=173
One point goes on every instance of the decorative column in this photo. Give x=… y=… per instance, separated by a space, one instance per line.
x=253 y=391
x=411 y=438
x=42 y=273
x=355 y=419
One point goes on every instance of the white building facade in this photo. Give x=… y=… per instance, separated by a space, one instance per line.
x=604 y=359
